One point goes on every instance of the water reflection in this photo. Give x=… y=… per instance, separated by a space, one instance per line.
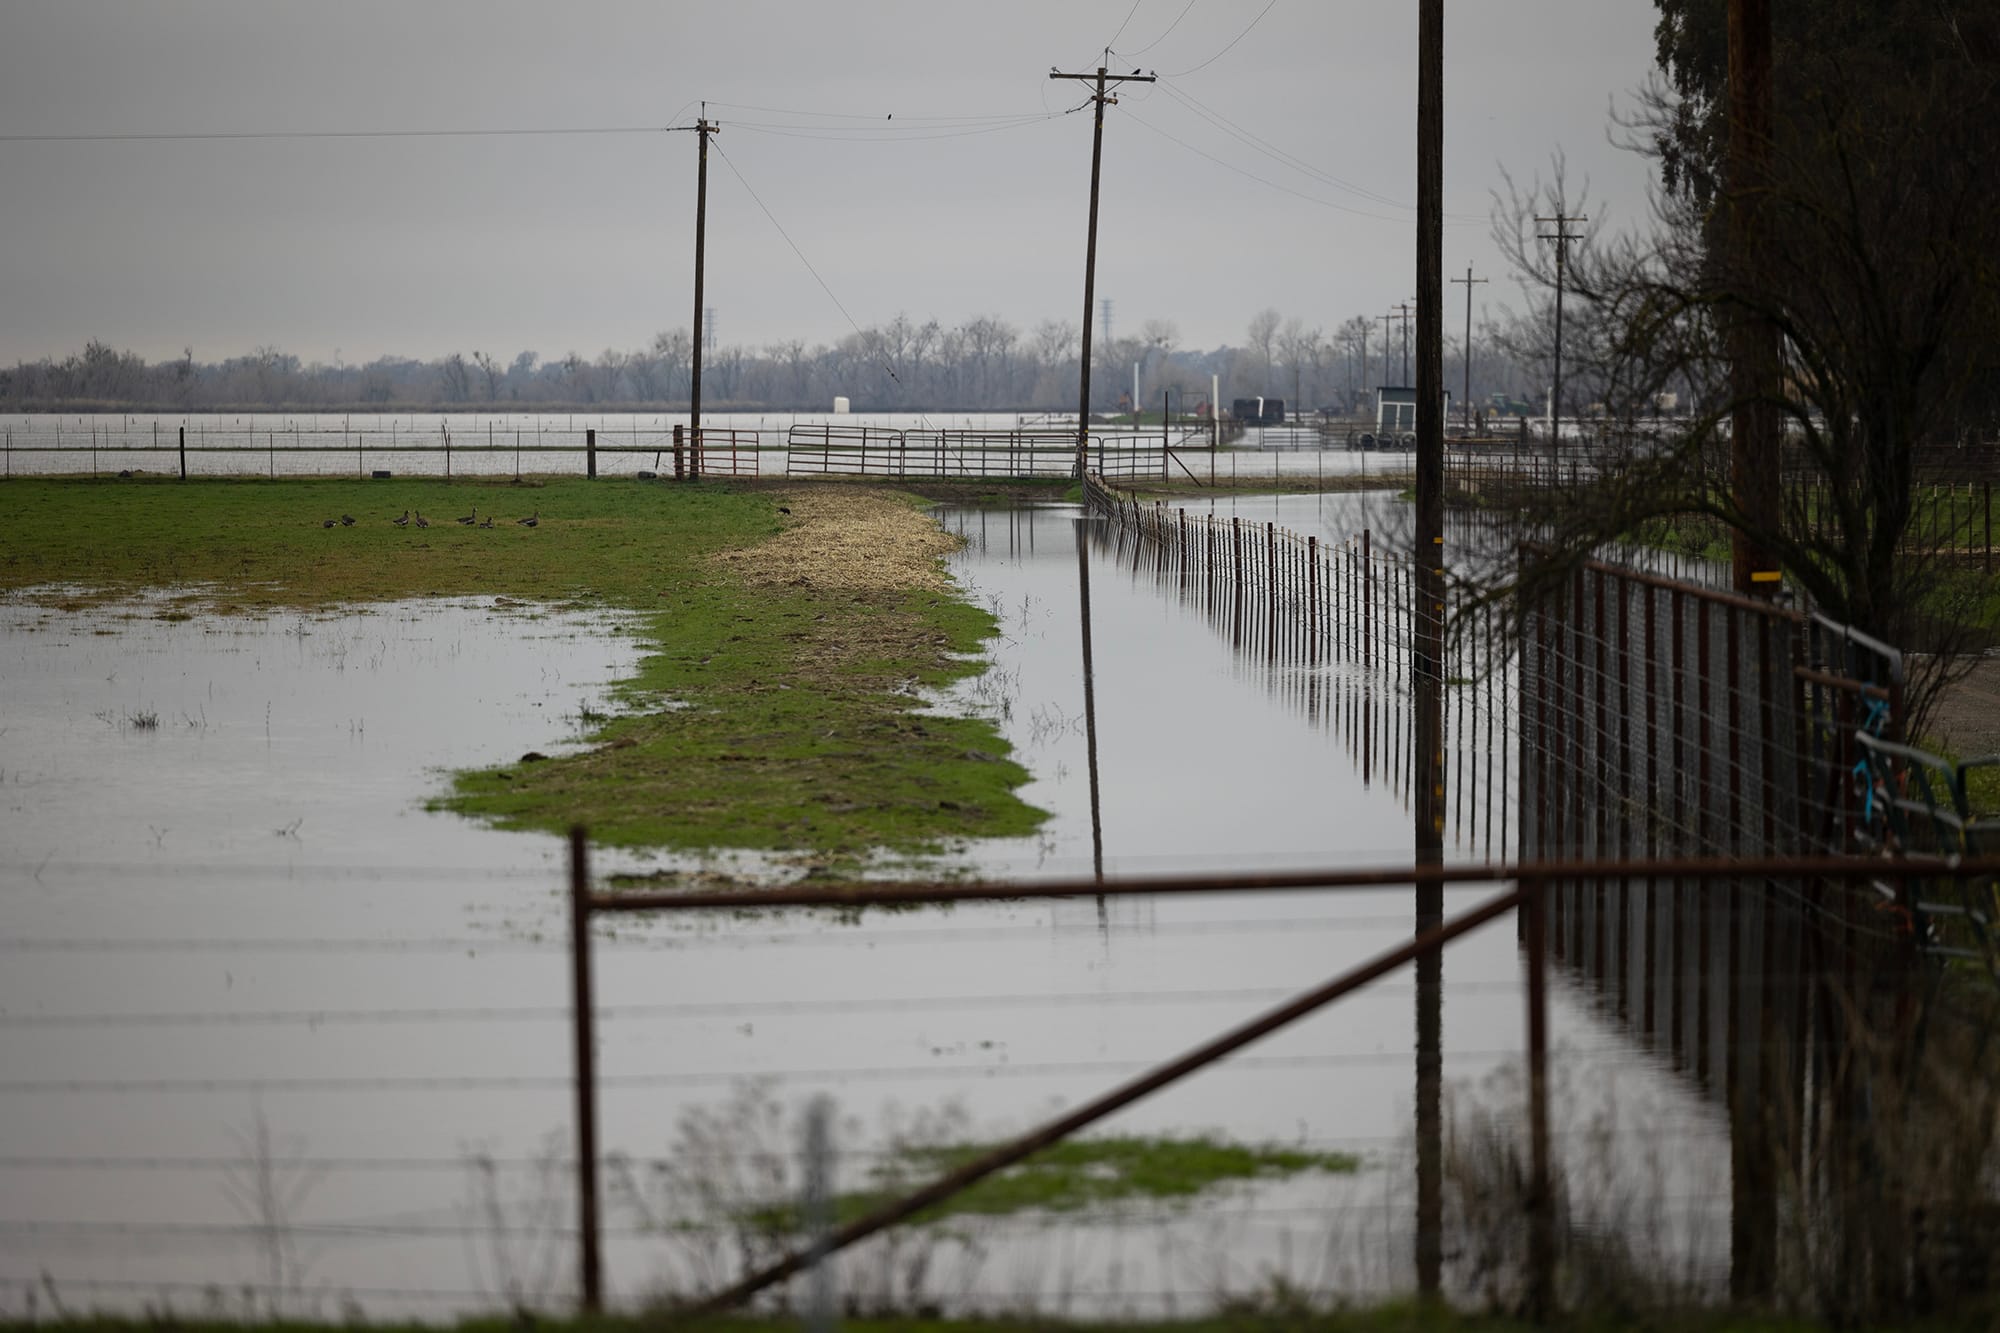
x=1346 y=677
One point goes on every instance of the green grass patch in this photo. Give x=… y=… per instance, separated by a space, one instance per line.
x=1076 y=1174
x=766 y=719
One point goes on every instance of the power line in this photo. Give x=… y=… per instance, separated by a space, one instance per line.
x=823 y=286
x=1232 y=43
x=223 y=135
x=887 y=134
x=1265 y=180
x=1252 y=140
x=871 y=116
x=1121 y=27
x=1162 y=37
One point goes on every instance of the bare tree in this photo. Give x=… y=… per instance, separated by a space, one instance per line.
x=1887 y=305
x=1263 y=335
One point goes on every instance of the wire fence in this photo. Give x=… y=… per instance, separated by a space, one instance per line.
x=124 y=449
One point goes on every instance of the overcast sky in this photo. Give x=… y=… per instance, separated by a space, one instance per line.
x=916 y=152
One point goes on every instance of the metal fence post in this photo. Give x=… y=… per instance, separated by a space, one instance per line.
x=590 y=1272
x=680 y=458
x=1541 y=1201
x=184 y=453
x=589 y=452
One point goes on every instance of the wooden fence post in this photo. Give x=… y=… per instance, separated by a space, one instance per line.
x=589 y=1264
x=590 y=452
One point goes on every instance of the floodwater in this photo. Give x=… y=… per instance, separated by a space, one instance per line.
x=511 y=444
x=274 y=1037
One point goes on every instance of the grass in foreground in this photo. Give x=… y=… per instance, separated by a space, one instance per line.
x=769 y=719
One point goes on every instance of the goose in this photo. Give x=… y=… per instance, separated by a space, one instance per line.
x=402 y=522
x=468 y=520
x=530 y=520
x=488 y=523
x=423 y=522
x=327 y=524
x=347 y=520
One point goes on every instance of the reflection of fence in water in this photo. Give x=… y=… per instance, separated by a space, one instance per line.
x=1331 y=625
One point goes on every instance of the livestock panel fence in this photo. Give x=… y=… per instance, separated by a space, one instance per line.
x=880 y=451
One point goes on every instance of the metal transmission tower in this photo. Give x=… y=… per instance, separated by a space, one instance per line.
x=1469 y=282
x=1101 y=99
x=1562 y=236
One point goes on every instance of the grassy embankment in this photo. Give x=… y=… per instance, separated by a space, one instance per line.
x=768 y=717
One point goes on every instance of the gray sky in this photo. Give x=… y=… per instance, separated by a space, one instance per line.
x=839 y=114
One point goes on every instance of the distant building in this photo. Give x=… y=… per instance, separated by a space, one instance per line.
x=1258 y=411
x=1396 y=413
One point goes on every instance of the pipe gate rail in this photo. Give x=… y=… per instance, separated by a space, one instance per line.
x=1525 y=893
x=882 y=451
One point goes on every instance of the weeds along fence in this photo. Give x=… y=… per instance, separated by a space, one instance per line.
x=205 y=449
x=288 y=1110
x=879 y=451
x=1503 y=1172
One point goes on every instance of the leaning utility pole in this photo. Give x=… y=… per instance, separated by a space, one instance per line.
x=1755 y=429
x=1101 y=99
x=1468 y=280
x=1562 y=236
x=703 y=127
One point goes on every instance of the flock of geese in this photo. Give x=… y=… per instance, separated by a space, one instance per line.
x=471 y=520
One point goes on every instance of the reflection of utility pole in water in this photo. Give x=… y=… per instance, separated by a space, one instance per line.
x=1089 y=701
x=1427 y=628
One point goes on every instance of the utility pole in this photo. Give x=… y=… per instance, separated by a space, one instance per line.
x=1100 y=98
x=1562 y=236
x=1427 y=656
x=1755 y=428
x=1468 y=280
x=703 y=127
x=1364 y=356
x=1406 y=342
x=1385 y=343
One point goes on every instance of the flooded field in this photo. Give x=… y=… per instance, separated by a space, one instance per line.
x=275 y=1037
x=554 y=444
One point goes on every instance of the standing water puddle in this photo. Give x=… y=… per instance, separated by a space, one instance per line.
x=273 y=1037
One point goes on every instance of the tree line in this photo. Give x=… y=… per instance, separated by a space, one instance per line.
x=903 y=364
